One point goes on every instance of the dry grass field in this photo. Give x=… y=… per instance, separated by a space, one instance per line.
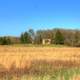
x=20 y=55
x=26 y=58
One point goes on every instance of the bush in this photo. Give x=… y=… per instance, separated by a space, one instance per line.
x=5 y=41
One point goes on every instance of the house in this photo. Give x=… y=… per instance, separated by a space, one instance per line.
x=46 y=41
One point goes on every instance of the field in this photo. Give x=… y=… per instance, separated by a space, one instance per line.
x=39 y=63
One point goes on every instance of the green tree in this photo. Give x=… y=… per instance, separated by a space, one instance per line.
x=5 y=41
x=0 y=40
x=25 y=38
x=22 y=38
x=59 y=38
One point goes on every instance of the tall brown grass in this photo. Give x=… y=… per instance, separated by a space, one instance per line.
x=17 y=61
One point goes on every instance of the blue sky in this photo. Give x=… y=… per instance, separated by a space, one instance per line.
x=17 y=16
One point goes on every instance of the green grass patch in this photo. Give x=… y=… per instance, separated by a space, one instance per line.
x=37 y=45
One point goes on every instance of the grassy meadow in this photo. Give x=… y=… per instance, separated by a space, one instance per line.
x=39 y=63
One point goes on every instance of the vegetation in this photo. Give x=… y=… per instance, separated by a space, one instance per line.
x=25 y=38
x=5 y=41
x=57 y=36
x=42 y=63
x=42 y=71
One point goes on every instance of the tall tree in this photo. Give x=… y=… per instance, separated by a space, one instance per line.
x=25 y=38
x=32 y=34
x=22 y=38
x=58 y=39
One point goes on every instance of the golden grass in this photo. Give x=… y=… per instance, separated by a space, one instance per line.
x=22 y=55
x=15 y=60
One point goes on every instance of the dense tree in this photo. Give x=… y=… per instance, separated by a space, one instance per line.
x=1 y=40
x=57 y=36
x=22 y=38
x=59 y=39
x=5 y=41
x=25 y=38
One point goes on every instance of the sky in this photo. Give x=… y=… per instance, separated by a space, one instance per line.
x=17 y=16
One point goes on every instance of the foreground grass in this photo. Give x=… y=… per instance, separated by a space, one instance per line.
x=42 y=63
x=62 y=74
x=42 y=70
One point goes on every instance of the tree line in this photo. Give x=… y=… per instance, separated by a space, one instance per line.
x=57 y=36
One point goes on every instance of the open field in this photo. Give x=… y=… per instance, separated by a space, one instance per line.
x=20 y=55
x=32 y=61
